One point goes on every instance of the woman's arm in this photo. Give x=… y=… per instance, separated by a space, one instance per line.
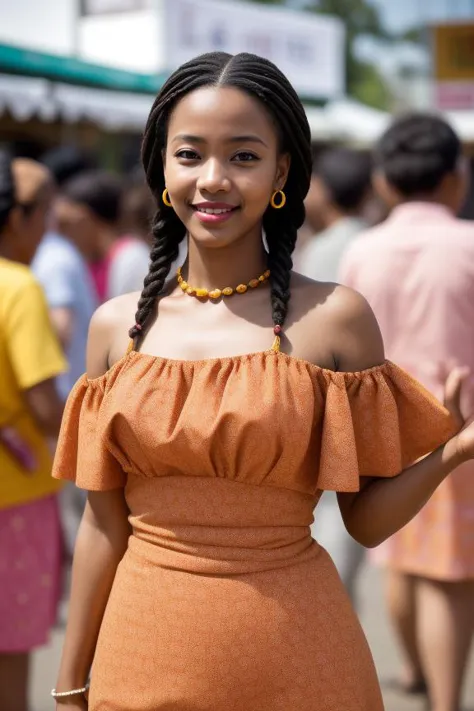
x=101 y=544
x=383 y=506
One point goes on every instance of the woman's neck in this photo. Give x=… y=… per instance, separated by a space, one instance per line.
x=218 y=267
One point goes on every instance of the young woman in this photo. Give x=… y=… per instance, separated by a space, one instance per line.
x=30 y=412
x=204 y=448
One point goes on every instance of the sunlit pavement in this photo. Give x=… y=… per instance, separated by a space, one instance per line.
x=375 y=624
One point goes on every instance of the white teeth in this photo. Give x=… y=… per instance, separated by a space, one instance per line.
x=212 y=211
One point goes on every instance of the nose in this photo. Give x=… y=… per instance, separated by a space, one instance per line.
x=213 y=177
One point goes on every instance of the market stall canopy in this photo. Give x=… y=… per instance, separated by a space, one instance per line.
x=52 y=87
x=75 y=71
x=113 y=110
x=348 y=121
x=25 y=98
x=355 y=121
x=463 y=123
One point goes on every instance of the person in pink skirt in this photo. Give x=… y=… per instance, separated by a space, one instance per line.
x=417 y=272
x=30 y=412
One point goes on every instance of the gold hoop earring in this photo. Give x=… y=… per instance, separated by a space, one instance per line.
x=282 y=203
x=166 y=198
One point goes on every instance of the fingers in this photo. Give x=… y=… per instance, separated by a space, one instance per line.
x=453 y=390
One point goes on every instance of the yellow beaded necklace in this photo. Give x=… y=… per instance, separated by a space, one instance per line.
x=217 y=293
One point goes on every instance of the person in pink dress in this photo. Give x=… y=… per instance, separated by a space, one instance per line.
x=30 y=415
x=416 y=269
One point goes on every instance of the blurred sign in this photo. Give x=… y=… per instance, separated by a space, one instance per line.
x=102 y=7
x=454 y=95
x=308 y=49
x=454 y=66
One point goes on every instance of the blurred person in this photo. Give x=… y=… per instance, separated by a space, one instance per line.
x=138 y=208
x=30 y=413
x=66 y=161
x=340 y=189
x=336 y=203
x=64 y=275
x=417 y=272
x=90 y=214
x=312 y=223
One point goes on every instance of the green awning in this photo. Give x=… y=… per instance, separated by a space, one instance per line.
x=74 y=71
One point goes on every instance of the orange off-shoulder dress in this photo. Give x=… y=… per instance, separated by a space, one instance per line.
x=222 y=600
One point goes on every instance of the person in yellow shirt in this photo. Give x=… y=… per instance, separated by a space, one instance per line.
x=30 y=414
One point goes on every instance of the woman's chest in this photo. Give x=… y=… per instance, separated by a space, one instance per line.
x=248 y=418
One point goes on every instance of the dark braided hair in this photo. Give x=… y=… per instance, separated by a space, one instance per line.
x=7 y=189
x=264 y=81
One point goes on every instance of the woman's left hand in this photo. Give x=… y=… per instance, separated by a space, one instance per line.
x=464 y=440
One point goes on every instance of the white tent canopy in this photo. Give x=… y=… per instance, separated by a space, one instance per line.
x=113 y=110
x=25 y=97
x=463 y=123
x=360 y=124
x=348 y=121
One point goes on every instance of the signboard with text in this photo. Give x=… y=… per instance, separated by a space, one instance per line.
x=102 y=7
x=453 y=47
x=308 y=48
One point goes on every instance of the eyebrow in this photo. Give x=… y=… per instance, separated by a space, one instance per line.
x=248 y=138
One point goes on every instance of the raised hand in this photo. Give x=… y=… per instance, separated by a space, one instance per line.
x=464 y=440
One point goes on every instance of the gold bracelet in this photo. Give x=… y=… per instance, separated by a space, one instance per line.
x=74 y=692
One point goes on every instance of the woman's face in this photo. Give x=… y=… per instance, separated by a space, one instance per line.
x=222 y=164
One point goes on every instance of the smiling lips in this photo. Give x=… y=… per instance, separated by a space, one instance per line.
x=213 y=212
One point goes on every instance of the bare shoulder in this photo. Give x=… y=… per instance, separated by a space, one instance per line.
x=343 y=318
x=108 y=333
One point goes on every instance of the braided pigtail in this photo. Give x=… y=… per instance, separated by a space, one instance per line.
x=281 y=240
x=281 y=231
x=168 y=231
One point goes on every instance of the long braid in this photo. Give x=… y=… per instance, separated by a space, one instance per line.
x=259 y=78
x=281 y=239
x=168 y=231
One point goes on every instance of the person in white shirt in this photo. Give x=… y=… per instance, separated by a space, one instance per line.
x=339 y=195
x=91 y=213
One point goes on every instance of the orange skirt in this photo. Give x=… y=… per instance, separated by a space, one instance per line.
x=242 y=618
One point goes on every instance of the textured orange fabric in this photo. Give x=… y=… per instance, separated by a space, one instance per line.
x=223 y=600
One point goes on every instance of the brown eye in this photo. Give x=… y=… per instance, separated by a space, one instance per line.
x=187 y=154
x=245 y=157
